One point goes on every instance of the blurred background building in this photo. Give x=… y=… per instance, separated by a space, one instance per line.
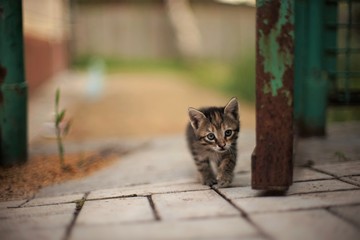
x=57 y=32
x=46 y=32
x=150 y=29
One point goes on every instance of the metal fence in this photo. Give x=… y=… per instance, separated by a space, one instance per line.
x=327 y=60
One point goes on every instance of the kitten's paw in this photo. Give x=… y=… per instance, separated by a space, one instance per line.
x=209 y=181
x=224 y=181
x=224 y=184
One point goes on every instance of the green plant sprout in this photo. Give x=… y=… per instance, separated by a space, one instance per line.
x=59 y=117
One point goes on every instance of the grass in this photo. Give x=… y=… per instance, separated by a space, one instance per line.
x=343 y=114
x=242 y=78
x=114 y=65
x=235 y=78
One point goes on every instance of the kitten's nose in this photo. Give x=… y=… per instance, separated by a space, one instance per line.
x=222 y=145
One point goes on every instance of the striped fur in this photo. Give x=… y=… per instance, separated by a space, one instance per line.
x=212 y=135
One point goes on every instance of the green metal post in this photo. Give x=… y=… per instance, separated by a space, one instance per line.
x=311 y=80
x=300 y=55
x=13 y=94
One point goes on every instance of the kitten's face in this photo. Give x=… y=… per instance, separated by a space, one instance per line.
x=216 y=128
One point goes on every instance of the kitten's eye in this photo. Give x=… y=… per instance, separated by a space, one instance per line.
x=228 y=133
x=210 y=136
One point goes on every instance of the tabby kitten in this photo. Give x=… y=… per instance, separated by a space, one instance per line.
x=212 y=134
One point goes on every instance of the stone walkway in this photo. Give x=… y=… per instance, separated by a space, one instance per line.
x=152 y=193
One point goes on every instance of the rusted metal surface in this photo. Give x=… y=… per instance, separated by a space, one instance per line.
x=272 y=158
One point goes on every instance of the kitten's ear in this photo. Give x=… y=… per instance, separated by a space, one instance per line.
x=196 y=117
x=232 y=108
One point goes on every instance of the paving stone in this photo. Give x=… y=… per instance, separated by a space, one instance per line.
x=195 y=204
x=306 y=174
x=341 y=169
x=220 y=228
x=163 y=159
x=11 y=204
x=295 y=202
x=310 y=225
x=36 y=222
x=24 y=212
x=296 y=188
x=19 y=234
x=43 y=222
x=318 y=186
x=352 y=179
x=350 y=213
x=341 y=143
x=53 y=200
x=118 y=210
x=146 y=190
x=241 y=180
x=240 y=192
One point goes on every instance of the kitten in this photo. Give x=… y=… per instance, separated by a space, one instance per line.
x=212 y=135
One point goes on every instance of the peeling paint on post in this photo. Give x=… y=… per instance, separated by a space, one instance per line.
x=272 y=158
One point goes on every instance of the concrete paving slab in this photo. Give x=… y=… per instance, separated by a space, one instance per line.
x=37 y=211
x=195 y=204
x=296 y=188
x=120 y=210
x=240 y=192
x=341 y=143
x=152 y=164
x=42 y=222
x=352 y=179
x=341 y=169
x=220 y=228
x=349 y=213
x=147 y=190
x=20 y=234
x=37 y=222
x=306 y=174
x=310 y=225
x=241 y=180
x=318 y=186
x=297 y=202
x=11 y=204
x=53 y=200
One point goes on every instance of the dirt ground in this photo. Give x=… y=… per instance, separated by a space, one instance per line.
x=146 y=105
x=131 y=105
x=19 y=182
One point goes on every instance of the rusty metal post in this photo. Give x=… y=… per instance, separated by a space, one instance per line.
x=13 y=88
x=272 y=158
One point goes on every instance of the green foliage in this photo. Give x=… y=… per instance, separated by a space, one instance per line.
x=231 y=78
x=242 y=79
x=341 y=156
x=343 y=114
x=114 y=64
x=59 y=117
x=57 y=98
